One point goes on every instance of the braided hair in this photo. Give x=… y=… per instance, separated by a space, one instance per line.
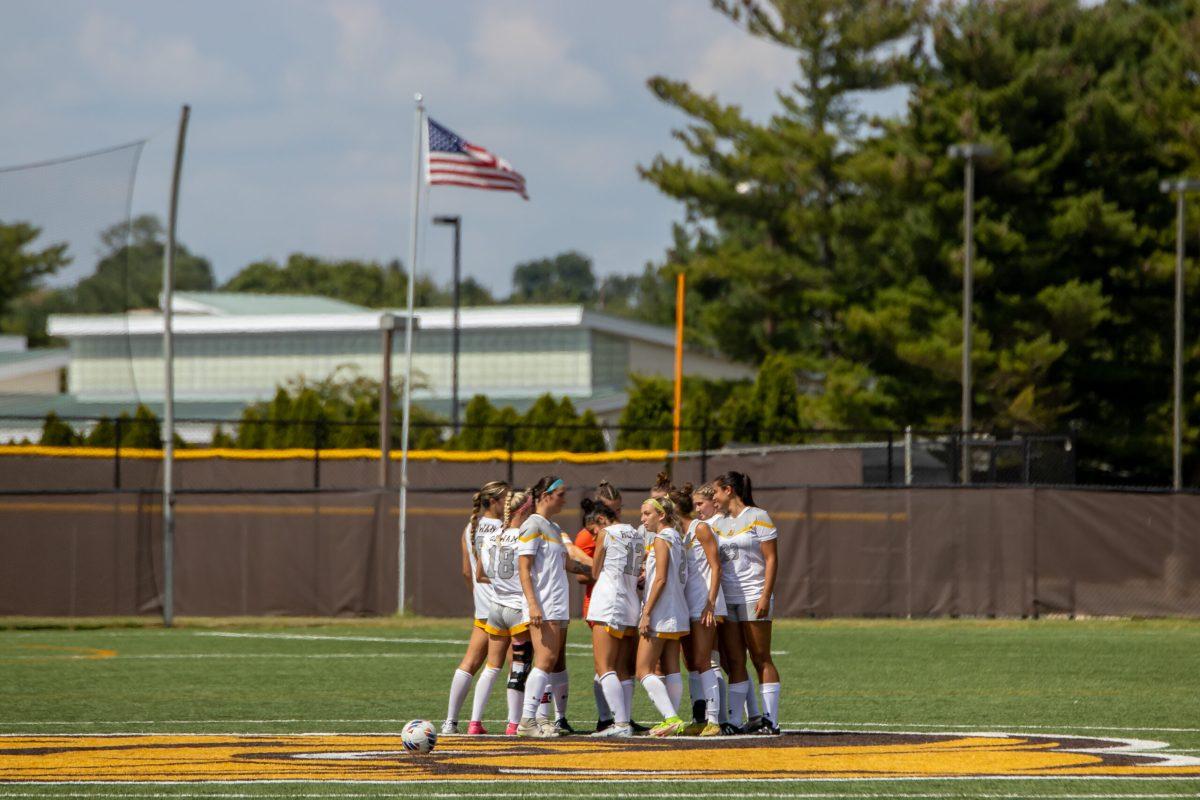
x=517 y=501
x=488 y=493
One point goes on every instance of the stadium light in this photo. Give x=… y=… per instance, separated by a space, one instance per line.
x=456 y=222
x=1180 y=187
x=968 y=152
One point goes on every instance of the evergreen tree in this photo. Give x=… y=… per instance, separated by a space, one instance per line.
x=56 y=433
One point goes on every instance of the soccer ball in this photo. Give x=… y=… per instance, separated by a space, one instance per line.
x=418 y=736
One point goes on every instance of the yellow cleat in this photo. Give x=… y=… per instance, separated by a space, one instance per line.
x=693 y=729
x=671 y=727
x=710 y=730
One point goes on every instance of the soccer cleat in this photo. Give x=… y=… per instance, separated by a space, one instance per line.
x=534 y=729
x=449 y=727
x=511 y=730
x=637 y=727
x=475 y=728
x=547 y=728
x=755 y=725
x=563 y=727
x=604 y=724
x=698 y=709
x=670 y=727
x=693 y=729
x=614 y=730
x=710 y=729
x=729 y=729
x=770 y=728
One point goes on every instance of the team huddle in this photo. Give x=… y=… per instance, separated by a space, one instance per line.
x=694 y=581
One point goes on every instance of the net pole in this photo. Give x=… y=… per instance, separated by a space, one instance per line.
x=677 y=413
x=402 y=546
x=168 y=431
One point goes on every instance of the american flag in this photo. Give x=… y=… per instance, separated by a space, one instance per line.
x=450 y=160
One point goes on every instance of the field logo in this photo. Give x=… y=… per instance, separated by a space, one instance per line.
x=377 y=758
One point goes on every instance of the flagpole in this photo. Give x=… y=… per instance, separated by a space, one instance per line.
x=418 y=136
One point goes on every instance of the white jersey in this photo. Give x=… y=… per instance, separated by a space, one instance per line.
x=499 y=555
x=743 y=570
x=484 y=596
x=699 y=576
x=614 y=600
x=543 y=540
x=670 y=612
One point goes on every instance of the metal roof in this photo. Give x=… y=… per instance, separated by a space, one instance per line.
x=247 y=304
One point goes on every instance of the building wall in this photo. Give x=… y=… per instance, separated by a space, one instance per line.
x=646 y=358
x=610 y=363
x=45 y=382
x=497 y=363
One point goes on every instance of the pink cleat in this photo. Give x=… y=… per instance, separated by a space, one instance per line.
x=476 y=729
x=511 y=730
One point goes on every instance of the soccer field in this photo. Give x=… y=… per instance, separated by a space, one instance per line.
x=215 y=710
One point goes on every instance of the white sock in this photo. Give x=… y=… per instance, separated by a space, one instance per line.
x=674 y=682
x=543 y=711
x=459 y=686
x=603 y=708
x=752 y=707
x=657 y=690
x=737 y=701
x=535 y=687
x=627 y=691
x=516 y=699
x=708 y=683
x=559 y=682
x=695 y=690
x=770 y=698
x=483 y=691
x=614 y=694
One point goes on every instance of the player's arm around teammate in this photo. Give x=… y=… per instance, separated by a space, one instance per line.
x=542 y=564
x=705 y=605
x=486 y=508
x=749 y=555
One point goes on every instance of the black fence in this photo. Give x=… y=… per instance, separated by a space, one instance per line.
x=871 y=457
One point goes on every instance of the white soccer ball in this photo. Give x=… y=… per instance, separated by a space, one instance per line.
x=419 y=736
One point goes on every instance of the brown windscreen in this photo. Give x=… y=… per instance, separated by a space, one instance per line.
x=843 y=551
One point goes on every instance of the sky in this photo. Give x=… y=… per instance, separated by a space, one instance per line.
x=302 y=121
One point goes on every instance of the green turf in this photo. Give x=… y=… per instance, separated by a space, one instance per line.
x=1130 y=679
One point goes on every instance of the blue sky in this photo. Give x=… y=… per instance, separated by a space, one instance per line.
x=302 y=116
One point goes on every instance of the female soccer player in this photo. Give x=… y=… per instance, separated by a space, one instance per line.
x=585 y=542
x=486 y=508
x=498 y=561
x=706 y=604
x=749 y=560
x=614 y=611
x=542 y=564
x=664 y=617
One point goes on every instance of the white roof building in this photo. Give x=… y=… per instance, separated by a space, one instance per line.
x=231 y=349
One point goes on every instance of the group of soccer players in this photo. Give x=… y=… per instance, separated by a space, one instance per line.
x=695 y=580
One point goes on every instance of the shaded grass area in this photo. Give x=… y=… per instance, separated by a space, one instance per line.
x=1131 y=679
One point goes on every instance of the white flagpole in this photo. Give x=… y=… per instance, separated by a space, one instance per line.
x=418 y=177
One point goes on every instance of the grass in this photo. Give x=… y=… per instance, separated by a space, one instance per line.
x=1131 y=679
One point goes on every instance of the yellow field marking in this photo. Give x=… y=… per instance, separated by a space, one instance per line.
x=72 y=654
x=335 y=454
x=372 y=757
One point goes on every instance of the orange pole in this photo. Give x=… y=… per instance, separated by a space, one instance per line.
x=677 y=417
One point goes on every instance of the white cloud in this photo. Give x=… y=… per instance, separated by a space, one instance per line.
x=525 y=56
x=167 y=66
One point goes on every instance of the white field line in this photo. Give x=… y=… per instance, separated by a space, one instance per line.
x=847 y=726
x=384 y=639
x=491 y=782
x=187 y=656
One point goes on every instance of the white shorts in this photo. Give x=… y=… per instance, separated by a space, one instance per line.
x=504 y=621
x=744 y=612
x=549 y=613
x=696 y=590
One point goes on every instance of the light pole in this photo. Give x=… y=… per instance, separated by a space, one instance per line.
x=1180 y=187
x=457 y=223
x=968 y=152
